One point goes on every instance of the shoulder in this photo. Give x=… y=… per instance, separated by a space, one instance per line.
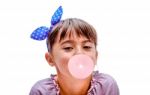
x=103 y=78
x=106 y=83
x=43 y=87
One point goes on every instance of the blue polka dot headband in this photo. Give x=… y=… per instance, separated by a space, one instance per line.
x=41 y=33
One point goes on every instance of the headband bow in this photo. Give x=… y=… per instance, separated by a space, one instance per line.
x=42 y=32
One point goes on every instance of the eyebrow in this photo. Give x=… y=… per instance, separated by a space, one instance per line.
x=72 y=41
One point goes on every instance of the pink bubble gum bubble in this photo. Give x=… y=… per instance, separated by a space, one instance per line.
x=80 y=66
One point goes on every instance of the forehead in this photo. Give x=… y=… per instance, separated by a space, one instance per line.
x=71 y=35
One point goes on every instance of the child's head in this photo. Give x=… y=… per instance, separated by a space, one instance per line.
x=65 y=39
x=68 y=38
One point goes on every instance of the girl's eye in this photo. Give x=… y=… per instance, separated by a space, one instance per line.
x=67 y=48
x=87 y=47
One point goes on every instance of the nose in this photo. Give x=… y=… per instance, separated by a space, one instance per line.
x=79 y=50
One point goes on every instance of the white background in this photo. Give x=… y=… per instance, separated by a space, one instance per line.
x=123 y=28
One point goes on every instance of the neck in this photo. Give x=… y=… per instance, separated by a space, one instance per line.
x=72 y=86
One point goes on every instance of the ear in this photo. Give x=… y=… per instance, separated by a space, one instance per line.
x=96 y=54
x=49 y=58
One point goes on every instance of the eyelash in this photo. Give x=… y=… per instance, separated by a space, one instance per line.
x=87 y=47
x=67 y=48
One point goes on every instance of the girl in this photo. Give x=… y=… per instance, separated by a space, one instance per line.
x=66 y=39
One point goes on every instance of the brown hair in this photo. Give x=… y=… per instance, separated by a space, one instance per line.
x=67 y=27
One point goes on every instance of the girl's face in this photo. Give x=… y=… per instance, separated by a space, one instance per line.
x=63 y=50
